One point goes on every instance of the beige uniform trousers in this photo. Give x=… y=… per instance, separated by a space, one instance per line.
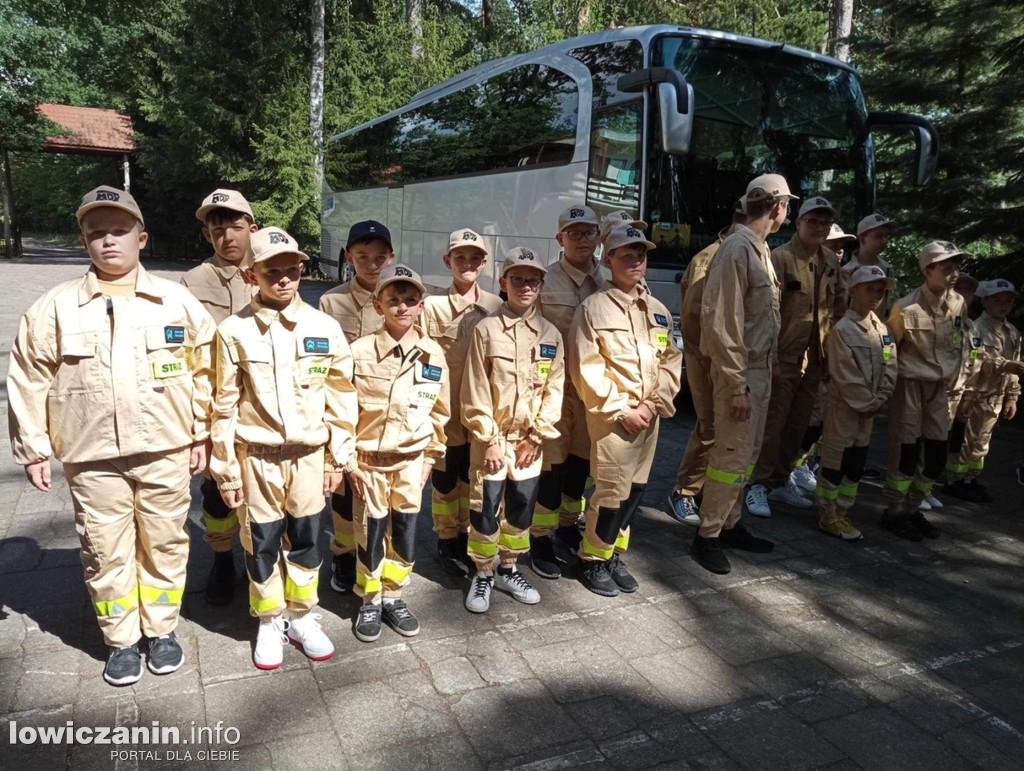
x=694 y=465
x=618 y=462
x=843 y=428
x=737 y=446
x=977 y=437
x=385 y=523
x=573 y=439
x=919 y=409
x=279 y=525
x=795 y=390
x=450 y=508
x=130 y=516
x=501 y=506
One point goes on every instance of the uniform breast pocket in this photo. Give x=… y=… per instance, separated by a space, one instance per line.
x=212 y=297
x=614 y=337
x=372 y=381
x=256 y=358
x=543 y=358
x=502 y=355
x=79 y=366
x=426 y=389
x=313 y=361
x=920 y=329
x=168 y=349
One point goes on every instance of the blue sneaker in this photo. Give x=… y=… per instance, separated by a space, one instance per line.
x=683 y=508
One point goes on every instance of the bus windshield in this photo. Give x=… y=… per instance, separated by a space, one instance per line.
x=758 y=110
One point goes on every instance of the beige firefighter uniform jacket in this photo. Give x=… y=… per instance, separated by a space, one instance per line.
x=848 y=267
x=808 y=285
x=565 y=287
x=220 y=286
x=352 y=307
x=930 y=331
x=995 y=343
x=862 y=363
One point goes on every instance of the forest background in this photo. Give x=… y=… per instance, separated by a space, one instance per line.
x=226 y=92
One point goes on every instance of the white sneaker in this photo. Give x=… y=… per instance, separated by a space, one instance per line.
x=479 y=598
x=270 y=641
x=933 y=502
x=790 y=494
x=803 y=478
x=757 y=501
x=515 y=583
x=307 y=633
x=924 y=506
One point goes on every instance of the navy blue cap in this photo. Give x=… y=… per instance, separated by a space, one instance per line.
x=368 y=229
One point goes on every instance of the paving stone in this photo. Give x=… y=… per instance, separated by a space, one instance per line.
x=224 y=659
x=1003 y=697
x=739 y=639
x=577 y=670
x=694 y=678
x=368 y=663
x=635 y=749
x=571 y=755
x=641 y=627
x=319 y=750
x=970 y=744
x=446 y=751
x=455 y=675
x=602 y=717
x=785 y=674
x=48 y=681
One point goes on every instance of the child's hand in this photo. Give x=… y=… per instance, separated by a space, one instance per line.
x=527 y=452
x=198 y=458
x=359 y=482
x=38 y=474
x=494 y=459
x=331 y=481
x=427 y=469
x=1010 y=410
x=233 y=498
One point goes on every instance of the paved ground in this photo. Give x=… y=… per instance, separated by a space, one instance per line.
x=881 y=654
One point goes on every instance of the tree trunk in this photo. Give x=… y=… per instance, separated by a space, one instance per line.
x=316 y=98
x=842 y=25
x=488 y=20
x=6 y=192
x=414 y=15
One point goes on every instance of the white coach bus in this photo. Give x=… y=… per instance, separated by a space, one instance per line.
x=667 y=123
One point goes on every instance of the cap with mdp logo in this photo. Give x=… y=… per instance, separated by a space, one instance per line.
x=865 y=274
x=871 y=222
x=836 y=234
x=111 y=197
x=270 y=242
x=618 y=218
x=577 y=215
x=222 y=198
x=624 y=235
x=466 y=237
x=395 y=273
x=768 y=186
x=996 y=286
x=938 y=251
x=813 y=204
x=366 y=230
x=522 y=257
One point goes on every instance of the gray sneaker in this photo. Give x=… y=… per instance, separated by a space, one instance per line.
x=165 y=655
x=757 y=501
x=791 y=495
x=513 y=582
x=479 y=598
x=683 y=508
x=124 y=666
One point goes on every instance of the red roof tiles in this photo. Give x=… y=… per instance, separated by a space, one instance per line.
x=91 y=129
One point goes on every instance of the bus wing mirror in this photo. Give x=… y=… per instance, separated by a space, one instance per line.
x=926 y=139
x=675 y=104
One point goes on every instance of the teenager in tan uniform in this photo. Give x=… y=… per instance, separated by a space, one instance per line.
x=283 y=433
x=626 y=371
x=563 y=478
x=928 y=328
x=368 y=250
x=739 y=325
x=862 y=367
x=402 y=382
x=693 y=467
x=808 y=275
x=872 y=239
x=511 y=401
x=450 y=319
x=992 y=390
x=111 y=374
x=221 y=285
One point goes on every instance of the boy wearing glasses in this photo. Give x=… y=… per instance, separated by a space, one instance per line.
x=560 y=500
x=511 y=401
x=809 y=276
x=369 y=251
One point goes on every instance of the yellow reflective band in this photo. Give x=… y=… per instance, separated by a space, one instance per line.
x=295 y=592
x=750 y=470
x=225 y=525
x=589 y=548
x=622 y=542
x=369 y=585
x=545 y=518
x=395 y=573
x=464 y=504
x=899 y=485
x=956 y=468
x=726 y=477
x=590 y=485
x=266 y=604
x=849 y=491
x=344 y=539
x=574 y=505
x=976 y=465
x=514 y=542
x=150 y=595
x=444 y=508
x=482 y=548
x=118 y=607
x=923 y=485
x=827 y=494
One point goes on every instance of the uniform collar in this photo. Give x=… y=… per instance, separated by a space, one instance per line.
x=578 y=276
x=267 y=316
x=935 y=301
x=460 y=302
x=227 y=270
x=796 y=246
x=144 y=285
x=863 y=322
x=624 y=300
x=386 y=344
x=531 y=318
x=751 y=236
x=361 y=296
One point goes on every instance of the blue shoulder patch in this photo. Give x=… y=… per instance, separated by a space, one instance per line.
x=661 y=319
x=548 y=351
x=316 y=344
x=174 y=334
x=430 y=372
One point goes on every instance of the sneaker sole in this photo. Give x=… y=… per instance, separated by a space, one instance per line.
x=842 y=536
x=629 y=589
x=268 y=667
x=298 y=645
x=517 y=597
x=339 y=588
x=404 y=632
x=600 y=592
x=165 y=670
x=365 y=637
x=478 y=610
x=712 y=569
x=681 y=520
x=804 y=504
x=542 y=574
x=123 y=681
x=753 y=513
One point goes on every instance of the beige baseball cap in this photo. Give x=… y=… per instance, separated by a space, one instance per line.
x=812 y=204
x=105 y=195
x=625 y=235
x=871 y=222
x=740 y=207
x=868 y=273
x=575 y=215
x=616 y=218
x=938 y=251
x=996 y=286
x=270 y=242
x=520 y=256
x=836 y=233
x=224 y=199
x=768 y=186
x=394 y=273
x=466 y=237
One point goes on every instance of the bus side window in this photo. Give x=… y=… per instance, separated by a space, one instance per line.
x=615 y=146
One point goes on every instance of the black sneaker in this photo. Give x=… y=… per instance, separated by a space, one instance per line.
x=565 y=544
x=542 y=558
x=709 y=555
x=594 y=575
x=871 y=473
x=398 y=616
x=901 y=525
x=928 y=530
x=967 y=490
x=367 y=624
x=463 y=540
x=739 y=537
x=220 y=586
x=343 y=573
x=621 y=576
x=451 y=559
x=165 y=655
x=124 y=666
